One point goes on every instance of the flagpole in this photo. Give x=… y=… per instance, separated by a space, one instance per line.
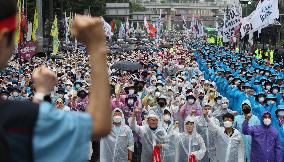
x=40 y=27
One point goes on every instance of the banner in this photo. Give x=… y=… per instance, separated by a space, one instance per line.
x=156 y=157
x=231 y=20
x=54 y=34
x=265 y=14
x=192 y=158
x=35 y=26
x=27 y=51
x=19 y=17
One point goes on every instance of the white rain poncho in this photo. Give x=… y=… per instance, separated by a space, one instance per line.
x=115 y=146
x=189 y=144
x=168 y=153
x=149 y=138
x=208 y=136
x=228 y=149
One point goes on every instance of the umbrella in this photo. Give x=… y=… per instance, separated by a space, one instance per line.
x=166 y=46
x=127 y=66
x=56 y=57
x=125 y=46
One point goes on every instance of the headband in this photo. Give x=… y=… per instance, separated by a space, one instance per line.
x=8 y=23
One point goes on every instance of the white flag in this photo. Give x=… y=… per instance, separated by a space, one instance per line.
x=107 y=28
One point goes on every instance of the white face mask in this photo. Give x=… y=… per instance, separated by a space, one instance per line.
x=166 y=117
x=281 y=113
x=267 y=122
x=4 y=97
x=275 y=91
x=160 y=88
x=191 y=101
x=15 y=94
x=219 y=102
x=131 y=92
x=268 y=87
x=271 y=102
x=225 y=106
x=228 y=124
x=157 y=94
x=130 y=101
x=117 y=119
x=261 y=99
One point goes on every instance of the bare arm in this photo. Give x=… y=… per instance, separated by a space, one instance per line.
x=90 y=31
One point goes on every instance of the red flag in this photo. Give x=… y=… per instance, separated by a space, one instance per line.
x=156 y=155
x=192 y=158
x=152 y=28
x=112 y=26
x=23 y=27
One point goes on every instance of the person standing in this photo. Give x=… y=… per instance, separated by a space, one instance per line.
x=190 y=143
x=207 y=135
x=265 y=145
x=153 y=135
x=246 y=109
x=229 y=141
x=119 y=144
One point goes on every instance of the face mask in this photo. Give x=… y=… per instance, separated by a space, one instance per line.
x=78 y=86
x=160 y=88
x=246 y=111
x=224 y=106
x=219 y=102
x=166 y=118
x=267 y=121
x=257 y=71
x=117 y=119
x=68 y=88
x=157 y=94
x=271 y=102
x=4 y=97
x=266 y=74
x=131 y=92
x=162 y=104
x=130 y=102
x=209 y=112
x=191 y=101
x=281 y=113
x=228 y=124
x=261 y=99
x=15 y=94
x=153 y=129
x=201 y=97
x=268 y=87
x=275 y=91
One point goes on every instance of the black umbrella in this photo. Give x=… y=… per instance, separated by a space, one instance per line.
x=56 y=57
x=127 y=66
x=166 y=46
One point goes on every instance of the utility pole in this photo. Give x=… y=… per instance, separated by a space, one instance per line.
x=40 y=27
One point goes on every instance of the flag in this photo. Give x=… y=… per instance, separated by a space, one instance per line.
x=156 y=156
x=54 y=33
x=30 y=29
x=19 y=17
x=121 y=32
x=23 y=24
x=35 y=26
x=137 y=27
x=151 y=29
x=112 y=26
x=107 y=28
x=127 y=28
x=66 y=28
